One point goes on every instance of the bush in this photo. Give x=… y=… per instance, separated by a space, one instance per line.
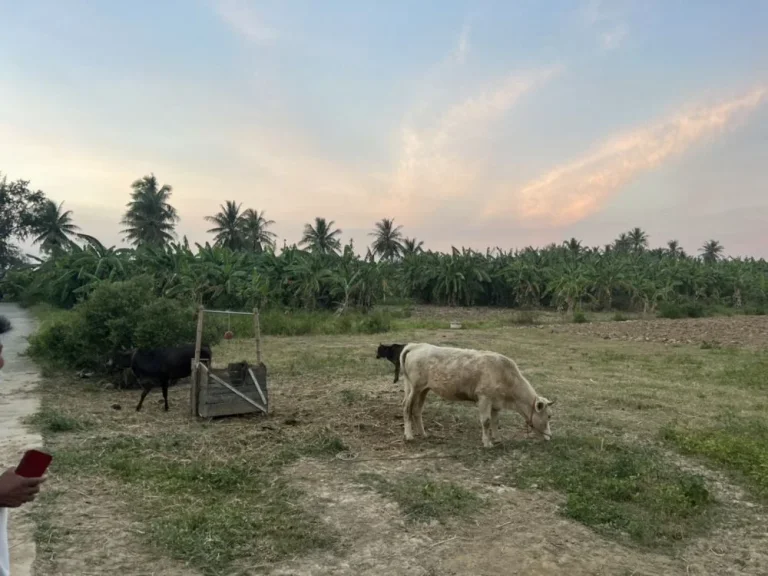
x=675 y=311
x=579 y=317
x=619 y=317
x=117 y=315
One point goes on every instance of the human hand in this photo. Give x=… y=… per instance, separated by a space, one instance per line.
x=16 y=490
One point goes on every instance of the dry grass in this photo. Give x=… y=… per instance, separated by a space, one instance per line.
x=327 y=485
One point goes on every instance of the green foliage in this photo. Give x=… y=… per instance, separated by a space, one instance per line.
x=739 y=445
x=118 y=315
x=579 y=317
x=625 y=276
x=19 y=206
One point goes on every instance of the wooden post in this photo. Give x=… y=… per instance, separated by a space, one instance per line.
x=194 y=380
x=257 y=334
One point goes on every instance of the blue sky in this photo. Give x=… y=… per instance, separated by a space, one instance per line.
x=506 y=123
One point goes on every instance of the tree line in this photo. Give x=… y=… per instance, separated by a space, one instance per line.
x=241 y=267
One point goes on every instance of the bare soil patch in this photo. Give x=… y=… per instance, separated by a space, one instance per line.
x=725 y=331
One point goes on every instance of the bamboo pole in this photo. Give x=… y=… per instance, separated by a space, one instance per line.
x=257 y=334
x=193 y=388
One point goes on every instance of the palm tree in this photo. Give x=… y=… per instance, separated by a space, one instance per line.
x=388 y=239
x=638 y=239
x=150 y=219
x=321 y=238
x=573 y=246
x=412 y=246
x=228 y=231
x=673 y=248
x=711 y=251
x=623 y=243
x=255 y=225
x=53 y=228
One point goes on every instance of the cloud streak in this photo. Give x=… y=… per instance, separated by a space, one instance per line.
x=244 y=20
x=446 y=161
x=573 y=191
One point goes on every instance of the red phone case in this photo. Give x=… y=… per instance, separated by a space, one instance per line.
x=33 y=464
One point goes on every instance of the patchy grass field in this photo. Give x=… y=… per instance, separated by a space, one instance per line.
x=657 y=466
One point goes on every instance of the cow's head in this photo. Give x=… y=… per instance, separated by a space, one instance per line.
x=120 y=359
x=383 y=351
x=540 y=416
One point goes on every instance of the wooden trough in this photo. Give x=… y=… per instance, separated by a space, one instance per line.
x=241 y=388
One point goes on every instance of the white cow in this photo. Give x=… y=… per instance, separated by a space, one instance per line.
x=490 y=379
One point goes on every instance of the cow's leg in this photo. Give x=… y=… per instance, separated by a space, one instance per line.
x=164 y=384
x=397 y=372
x=408 y=411
x=418 y=406
x=147 y=387
x=495 y=424
x=485 y=407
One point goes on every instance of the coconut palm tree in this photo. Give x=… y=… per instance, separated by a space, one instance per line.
x=638 y=239
x=229 y=226
x=150 y=218
x=711 y=251
x=257 y=236
x=321 y=238
x=412 y=246
x=388 y=239
x=673 y=248
x=53 y=228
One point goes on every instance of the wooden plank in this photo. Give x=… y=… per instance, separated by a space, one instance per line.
x=237 y=392
x=235 y=407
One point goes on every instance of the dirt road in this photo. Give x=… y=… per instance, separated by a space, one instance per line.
x=18 y=400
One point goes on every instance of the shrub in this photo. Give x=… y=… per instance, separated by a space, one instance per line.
x=670 y=310
x=579 y=317
x=117 y=315
x=619 y=317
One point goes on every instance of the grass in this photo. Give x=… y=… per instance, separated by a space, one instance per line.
x=423 y=499
x=737 y=444
x=202 y=511
x=52 y=421
x=229 y=494
x=622 y=491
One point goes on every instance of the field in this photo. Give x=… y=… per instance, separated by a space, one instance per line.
x=658 y=465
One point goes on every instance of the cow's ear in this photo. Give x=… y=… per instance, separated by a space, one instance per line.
x=539 y=405
x=550 y=402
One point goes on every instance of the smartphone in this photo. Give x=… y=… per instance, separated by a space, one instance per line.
x=33 y=464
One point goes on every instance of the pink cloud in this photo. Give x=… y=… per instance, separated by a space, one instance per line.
x=573 y=191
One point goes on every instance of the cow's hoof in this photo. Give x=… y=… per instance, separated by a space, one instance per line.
x=409 y=438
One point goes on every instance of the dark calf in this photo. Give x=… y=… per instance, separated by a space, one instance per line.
x=392 y=353
x=159 y=365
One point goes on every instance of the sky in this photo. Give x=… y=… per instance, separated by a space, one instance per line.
x=471 y=123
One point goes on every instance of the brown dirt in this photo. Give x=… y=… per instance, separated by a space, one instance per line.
x=522 y=532
x=735 y=331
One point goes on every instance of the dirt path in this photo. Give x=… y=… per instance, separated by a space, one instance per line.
x=17 y=400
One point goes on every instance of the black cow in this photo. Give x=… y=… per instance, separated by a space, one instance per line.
x=392 y=353
x=159 y=365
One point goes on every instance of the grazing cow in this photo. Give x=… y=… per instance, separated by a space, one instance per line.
x=392 y=353
x=161 y=365
x=491 y=380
